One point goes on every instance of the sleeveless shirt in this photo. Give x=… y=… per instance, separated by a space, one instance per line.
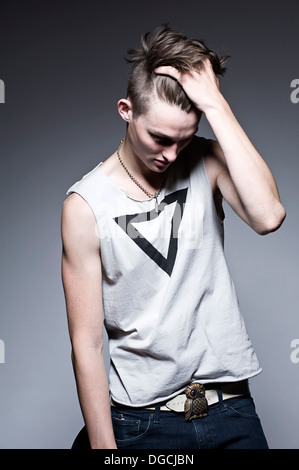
x=170 y=307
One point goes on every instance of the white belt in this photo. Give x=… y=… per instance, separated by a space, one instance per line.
x=177 y=403
x=230 y=390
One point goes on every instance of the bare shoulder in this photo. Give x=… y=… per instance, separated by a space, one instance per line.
x=75 y=205
x=78 y=224
x=76 y=211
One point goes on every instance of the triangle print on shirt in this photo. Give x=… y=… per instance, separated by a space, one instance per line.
x=156 y=233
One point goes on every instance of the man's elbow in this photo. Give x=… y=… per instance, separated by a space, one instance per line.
x=272 y=222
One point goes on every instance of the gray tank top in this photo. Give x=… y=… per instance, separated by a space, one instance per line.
x=170 y=306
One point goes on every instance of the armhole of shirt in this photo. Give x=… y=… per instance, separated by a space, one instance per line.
x=219 y=220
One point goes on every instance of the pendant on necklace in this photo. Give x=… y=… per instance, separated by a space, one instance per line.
x=156 y=205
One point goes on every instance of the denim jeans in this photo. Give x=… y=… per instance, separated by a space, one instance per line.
x=230 y=424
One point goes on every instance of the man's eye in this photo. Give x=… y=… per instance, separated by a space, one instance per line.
x=162 y=141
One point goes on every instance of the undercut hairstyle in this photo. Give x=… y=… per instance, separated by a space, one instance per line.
x=165 y=46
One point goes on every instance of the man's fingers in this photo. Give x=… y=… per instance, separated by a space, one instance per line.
x=168 y=70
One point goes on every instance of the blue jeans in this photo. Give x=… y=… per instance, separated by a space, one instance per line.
x=230 y=424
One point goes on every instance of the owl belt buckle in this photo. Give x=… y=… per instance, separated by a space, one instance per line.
x=196 y=404
x=193 y=402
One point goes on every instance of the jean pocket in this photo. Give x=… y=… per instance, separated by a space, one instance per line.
x=129 y=426
x=242 y=407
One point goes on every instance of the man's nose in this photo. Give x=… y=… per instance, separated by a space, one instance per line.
x=171 y=153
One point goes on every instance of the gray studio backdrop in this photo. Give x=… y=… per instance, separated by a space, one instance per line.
x=62 y=72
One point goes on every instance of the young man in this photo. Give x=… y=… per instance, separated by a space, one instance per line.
x=143 y=252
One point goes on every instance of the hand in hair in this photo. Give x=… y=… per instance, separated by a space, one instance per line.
x=200 y=85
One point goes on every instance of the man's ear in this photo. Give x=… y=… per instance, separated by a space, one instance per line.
x=124 y=107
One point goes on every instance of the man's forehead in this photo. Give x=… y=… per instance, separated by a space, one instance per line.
x=166 y=119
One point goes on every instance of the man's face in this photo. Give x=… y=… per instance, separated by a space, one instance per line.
x=157 y=137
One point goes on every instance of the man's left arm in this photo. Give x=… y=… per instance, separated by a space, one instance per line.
x=240 y=173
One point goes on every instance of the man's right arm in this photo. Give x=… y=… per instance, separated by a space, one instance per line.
x=82 y=282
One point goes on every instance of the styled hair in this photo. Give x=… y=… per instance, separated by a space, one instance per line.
x=165 y=46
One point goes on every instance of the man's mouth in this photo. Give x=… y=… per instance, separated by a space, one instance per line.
x=161 y=163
